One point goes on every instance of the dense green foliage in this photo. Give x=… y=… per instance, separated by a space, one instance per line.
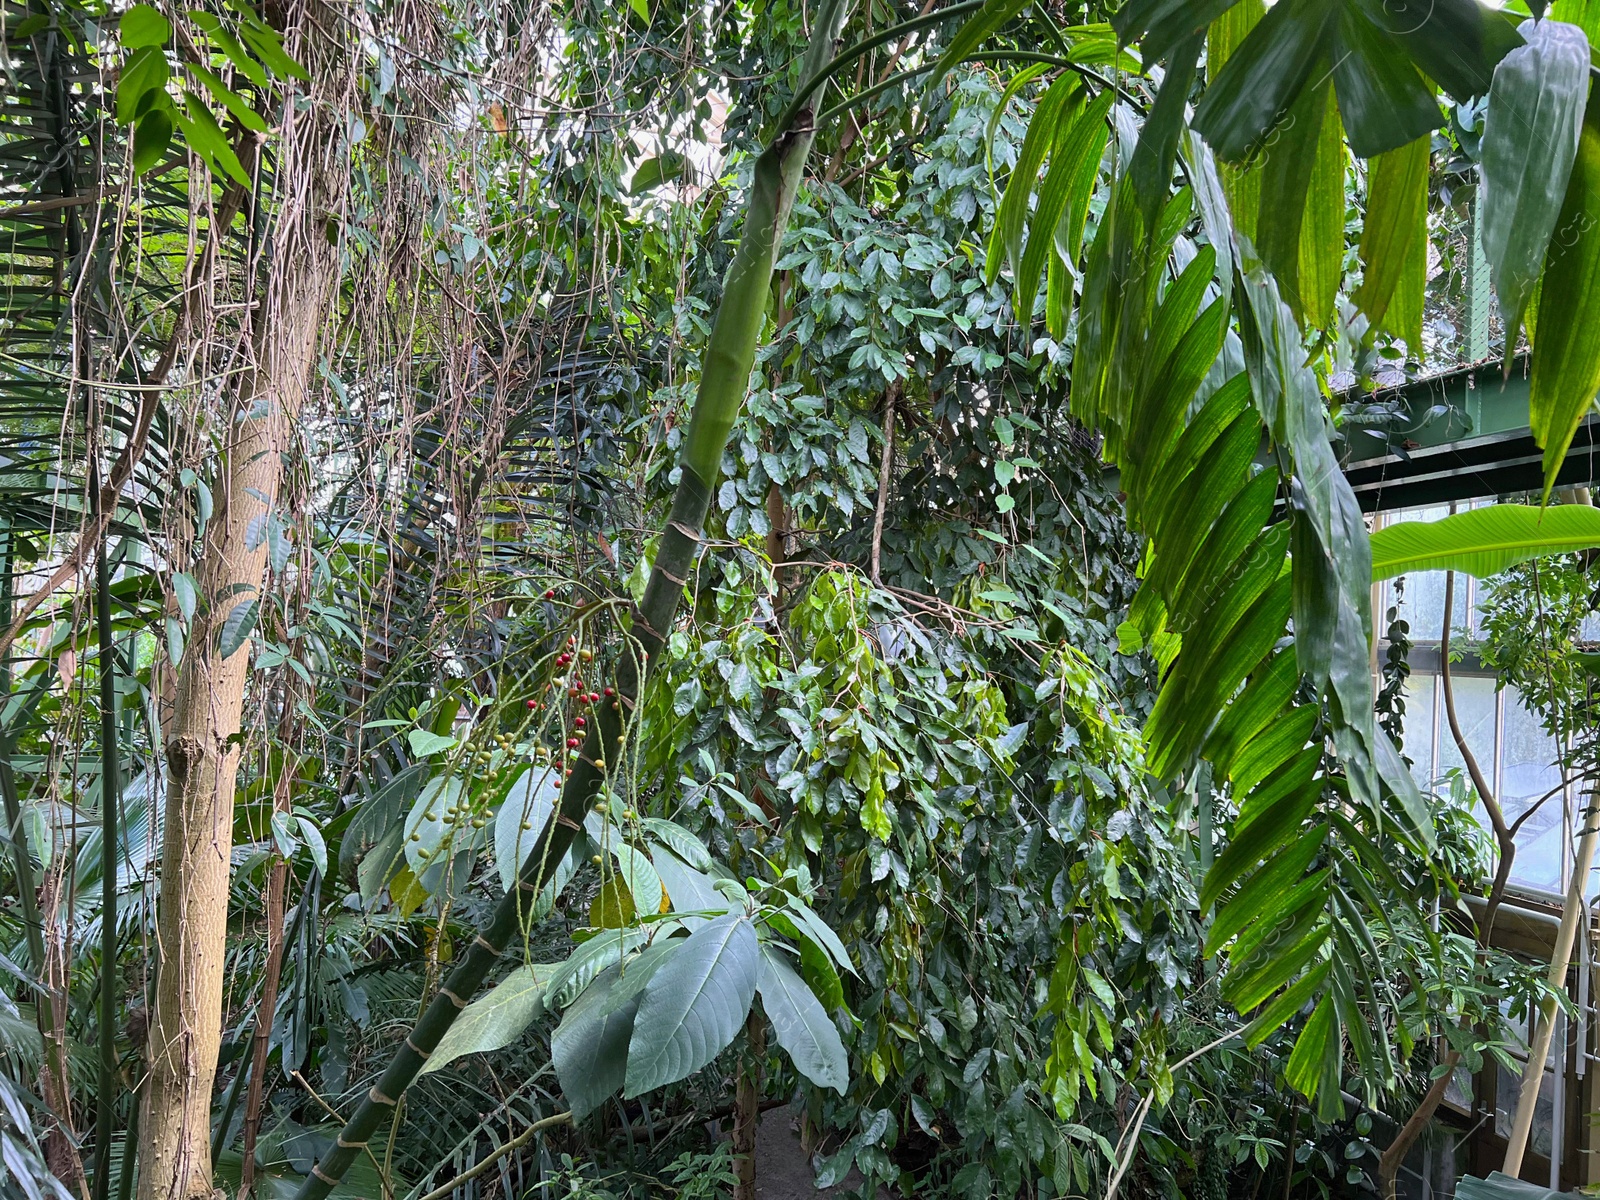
x=1008 y=789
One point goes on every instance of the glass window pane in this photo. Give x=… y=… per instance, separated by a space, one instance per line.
x=1528 y=773
x=1475 y=709
x=1507 y=1087
x=1422 y=605
x=1418 y=739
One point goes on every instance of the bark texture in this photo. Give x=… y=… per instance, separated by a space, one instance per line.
x=201 y=749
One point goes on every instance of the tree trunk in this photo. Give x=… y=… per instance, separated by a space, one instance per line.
x=202 y=748
x=747 y=1105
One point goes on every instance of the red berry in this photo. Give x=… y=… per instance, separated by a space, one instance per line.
x=573 y=742
x=611 y=691
x=593 y=696
x=579 y=722
x=533 y=704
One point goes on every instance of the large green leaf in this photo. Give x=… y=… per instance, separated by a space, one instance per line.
x=607 y=949
x=1566 y=354
x=801 y=1025
x=1585 y=14
x=1305 y=1067
x=590 y=1046
x=1262 y=77
x=1456 y=43
x=1397 y=214
x=688 y=891
x=639 y=876
x=1484 y=541
x=1403 y=317
x=1159 y=25
x=1530 y=139
x=528 y=804
x=497 y=1019
x=694 y=1005
x=1322 y=234
x=1287 y=165
x=1384 y=102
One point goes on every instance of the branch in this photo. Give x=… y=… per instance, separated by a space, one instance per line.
x=891 y=394
x=516 y=1143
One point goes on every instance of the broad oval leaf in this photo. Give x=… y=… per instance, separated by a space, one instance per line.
x=497 y=1019
x=1484 y=541
x=801 y=1024
x=1530 y=139
x=680 y=841
x=590 y=1046
x=694 y=1005
x=522 y=816
x=430 y=821
x=688 y=891
x=604 y=950
x=638 y=876
x=143 y=25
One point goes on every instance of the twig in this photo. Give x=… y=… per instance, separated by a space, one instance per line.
x=1130 y=1136
x=516 y=1143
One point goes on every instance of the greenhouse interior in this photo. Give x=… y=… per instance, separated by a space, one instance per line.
x=974 y=599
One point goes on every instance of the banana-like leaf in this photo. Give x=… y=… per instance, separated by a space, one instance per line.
x=694 y=1005
x=1585 y=14
x=1566 y=356
x=1484 y=541
x=1530 y=139
x=497 y=1019
x=801 y=1025
x=1397 y=215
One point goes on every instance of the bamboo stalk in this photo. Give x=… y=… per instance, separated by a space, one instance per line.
x=725 y=376
x=1560 y=959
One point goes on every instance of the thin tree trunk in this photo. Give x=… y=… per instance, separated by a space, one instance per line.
x=277 y=880
x=202 y=747
x=747 y=1105
x=891 y=396
x=724 y=380
x=60 y=1142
